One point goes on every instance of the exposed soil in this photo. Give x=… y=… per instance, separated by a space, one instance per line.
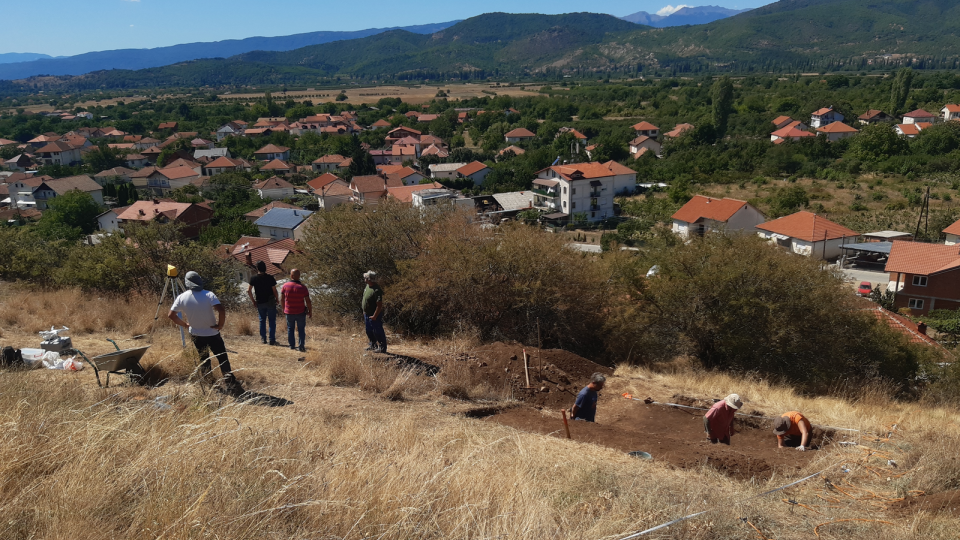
x=555 y=375
x=947 y=502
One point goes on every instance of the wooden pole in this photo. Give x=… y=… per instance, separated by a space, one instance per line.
x=526 y=368
x=566 y=426
x=539 y=352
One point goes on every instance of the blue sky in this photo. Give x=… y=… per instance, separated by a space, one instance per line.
x=68 y=27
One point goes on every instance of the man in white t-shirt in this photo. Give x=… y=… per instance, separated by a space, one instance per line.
x=205 y=318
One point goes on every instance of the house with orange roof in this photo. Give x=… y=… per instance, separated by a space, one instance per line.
x=271 y=152
x=643 y=142
x=405 y=193
x=165 y=180
x=646 y=129
x=405 y=175
x=918 y=116
x=475 y=171
x=225 y=164
x=367 y=190
x=136 y=161
x=587 y=189
x=704 y=214
x=824 y=116
x=434 y=150
x=379 y=124
x=519 y=135
x=401 y=132
x=249 y=250
x=517 y=151
x=274 y=188
x=874 y=116
x=329 y=163
x=193 y=217
x=792 y=132
x=836 y=131
x=58 y=153
x=924 y=276
x=781 y=121
x=953 y=234
x=950 y=111
x=678 y=130
x=908 y=130
x=808 y=234
x=278 y=166
x=167 y=125
x=333 y=194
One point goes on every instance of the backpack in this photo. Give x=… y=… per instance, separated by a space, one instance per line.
x=11 y=357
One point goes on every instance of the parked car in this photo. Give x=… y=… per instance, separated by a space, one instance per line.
x=864 y=289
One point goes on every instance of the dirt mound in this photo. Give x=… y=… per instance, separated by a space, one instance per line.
x=947 y=502
x=555 y=375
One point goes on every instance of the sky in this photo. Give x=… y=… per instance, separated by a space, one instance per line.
x=69 y=27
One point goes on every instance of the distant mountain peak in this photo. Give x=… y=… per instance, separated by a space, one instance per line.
x=681 y=15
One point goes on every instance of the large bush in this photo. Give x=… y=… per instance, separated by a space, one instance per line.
x=737 y=303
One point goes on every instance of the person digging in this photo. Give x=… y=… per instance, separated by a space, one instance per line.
x=585 y=407
x=792 y=430
x=205 y=318
x=718 y=422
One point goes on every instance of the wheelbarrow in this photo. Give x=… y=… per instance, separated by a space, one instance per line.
x=120 y=362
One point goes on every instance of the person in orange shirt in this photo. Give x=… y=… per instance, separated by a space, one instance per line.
x=792 y=429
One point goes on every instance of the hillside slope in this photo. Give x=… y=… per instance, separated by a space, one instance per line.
x=683 y=16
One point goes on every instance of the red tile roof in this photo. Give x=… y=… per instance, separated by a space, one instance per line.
x=273 y=183
x=332 y=158
x=322 y=181
x=520 y=133
x=471 y=168
x=276 y=165
x=147 y=210
x=953 y=228
x=837 y=127
x=272 y=149
x=872 y=113
x=909 y=129
x=590 y=170
x=781 y=120
x=681 y=128
x=822 y=111
x=515 y=149
x=950 y=107
x=380 y=123
x=790 y=132
x=645 y=126
x=273 y=253
x=405 y=193
x=176 y=173
x=369 y=184
x=222 y=162
x=700 y=207
x=904 y=326
x=919 y=113
x=923 y=259
x=808 y=227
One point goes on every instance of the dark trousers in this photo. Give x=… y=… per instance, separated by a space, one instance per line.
x=212 y=344
x=792 y=441
x=375 y=334
x=268 y=313
x=300 y=321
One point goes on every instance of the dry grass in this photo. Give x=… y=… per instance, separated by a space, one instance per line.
x=383 y=456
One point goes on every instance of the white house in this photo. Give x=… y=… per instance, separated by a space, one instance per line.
x=836 y=131
x=333 y=194
x=50 y=189
x=519 y=134
x=646 y=129
x=583 y=188
x=275 y=188
x=271 y=152
x=808 y=234
x=283 y=223
x=109 y=220
x=58 y=153
x=953 y=234
x=704 y=214
x=444 y=170
x=919 y=116
x=950 y=112
x=824 y=116
x=475 y=171
x=644 y=141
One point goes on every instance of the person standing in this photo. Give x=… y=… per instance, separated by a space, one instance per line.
x=262 y=291
x=718 y=422
x=205 y=318
x=295 y=298
x=792 y=430
x=372 y=306
x=585 y=407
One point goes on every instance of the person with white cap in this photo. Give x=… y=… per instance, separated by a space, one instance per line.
x=718 y=422
x=792 y=430
x=205 y=318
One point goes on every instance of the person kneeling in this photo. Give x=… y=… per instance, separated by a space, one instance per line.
x=792 y=430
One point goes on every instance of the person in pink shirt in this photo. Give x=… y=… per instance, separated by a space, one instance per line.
x=718 y=422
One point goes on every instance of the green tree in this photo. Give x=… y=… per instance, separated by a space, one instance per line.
x=74 y=209
x=722 y=95
x=900 y=89
x=877 y=142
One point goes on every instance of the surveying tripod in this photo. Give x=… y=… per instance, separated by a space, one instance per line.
x=175 y=284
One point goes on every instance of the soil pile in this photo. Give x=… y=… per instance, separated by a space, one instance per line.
x=947 y=502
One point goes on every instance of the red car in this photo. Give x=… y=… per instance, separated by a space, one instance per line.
x=865 y=289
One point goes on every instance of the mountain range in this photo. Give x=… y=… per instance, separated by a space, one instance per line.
x=787 y=36
x=683 y=16
x=9 y=58
x=79 y=64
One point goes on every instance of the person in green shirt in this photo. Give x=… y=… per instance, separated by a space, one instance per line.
x=372 y=306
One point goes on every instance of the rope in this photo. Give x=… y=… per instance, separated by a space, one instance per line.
x=816 y=530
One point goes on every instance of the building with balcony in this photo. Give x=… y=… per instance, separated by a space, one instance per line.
x=587 y=189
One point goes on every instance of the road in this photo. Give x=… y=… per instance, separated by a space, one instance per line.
x=855 y=276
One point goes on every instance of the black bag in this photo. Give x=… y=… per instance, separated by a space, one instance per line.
x=11 y=357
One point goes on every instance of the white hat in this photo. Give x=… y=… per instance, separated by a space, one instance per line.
x=370 y=274
x=733 y=401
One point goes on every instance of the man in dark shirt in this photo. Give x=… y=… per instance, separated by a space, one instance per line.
x=372 y=306
x=262 y=291
x=585 y=408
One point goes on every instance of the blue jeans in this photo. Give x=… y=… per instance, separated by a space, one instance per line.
x=267 y=312
x=375 y=334
x=299 y=320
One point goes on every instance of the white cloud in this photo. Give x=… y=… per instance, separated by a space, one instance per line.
x=665 y=11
